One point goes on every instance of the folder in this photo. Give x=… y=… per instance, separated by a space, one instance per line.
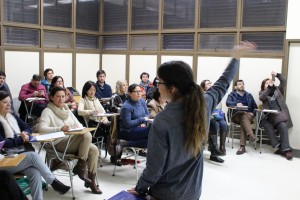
x=123 y=195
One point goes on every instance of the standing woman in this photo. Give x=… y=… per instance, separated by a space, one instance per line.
x=58 y=117
x=272 y=98
x=174 y=167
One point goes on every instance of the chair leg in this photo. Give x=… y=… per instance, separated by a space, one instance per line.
x=70 y=167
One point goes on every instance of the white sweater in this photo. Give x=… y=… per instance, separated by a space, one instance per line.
x=87 y=106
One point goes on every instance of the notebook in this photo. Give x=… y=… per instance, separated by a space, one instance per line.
x=123 y=195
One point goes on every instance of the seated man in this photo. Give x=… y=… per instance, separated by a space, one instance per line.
x=33 y=89
x=103 y=90
x=239 y=97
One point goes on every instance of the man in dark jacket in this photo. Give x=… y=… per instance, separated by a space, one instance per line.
x=240 y=98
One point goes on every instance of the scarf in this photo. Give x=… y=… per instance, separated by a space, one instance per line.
x=61 y=113
x=10 y=125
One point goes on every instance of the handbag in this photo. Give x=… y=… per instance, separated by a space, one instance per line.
x=218 y=114
x=276 y=118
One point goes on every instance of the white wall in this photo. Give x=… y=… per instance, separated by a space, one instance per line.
x=187 y=59
x=142 y=63
x=293 y=95
x=114 y=67
x=293 y=15
x=87 y=66
x=61 y=63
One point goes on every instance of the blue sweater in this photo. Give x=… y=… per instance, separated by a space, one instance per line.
x=171 y=172
x=103 y=92
x=232 y=101
x=132 y=114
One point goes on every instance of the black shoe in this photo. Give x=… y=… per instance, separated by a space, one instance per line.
x=142 y=153
x=60 y=187
x=216 y=159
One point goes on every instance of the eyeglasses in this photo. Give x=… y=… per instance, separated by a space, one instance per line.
x=209 y=83
x=158 y=83
x=137 y=91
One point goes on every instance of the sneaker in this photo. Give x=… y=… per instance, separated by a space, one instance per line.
x=241 y=150
x=288 y=154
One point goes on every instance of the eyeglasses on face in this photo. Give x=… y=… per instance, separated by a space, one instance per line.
x=208 y=83
x=158 y=83
x=137 y=91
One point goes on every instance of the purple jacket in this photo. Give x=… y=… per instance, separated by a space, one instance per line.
x=27 y=91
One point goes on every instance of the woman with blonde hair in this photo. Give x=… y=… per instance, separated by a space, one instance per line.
x=121 y=95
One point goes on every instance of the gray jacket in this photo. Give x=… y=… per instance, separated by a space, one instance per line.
x=171 y=172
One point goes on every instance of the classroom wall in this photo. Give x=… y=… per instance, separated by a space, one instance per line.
x=293 y=15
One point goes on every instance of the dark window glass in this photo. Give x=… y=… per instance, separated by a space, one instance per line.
x=264 y=13
x=117 y=42
x=58 y=13
x=218 y=13
x=216 y=42
x=178 y=41
x=87 y=41
x=144 y=42
x=115 y=15
x=145 y=14
x=179 y=14
x=21 y=36
x=87 y=14
x=21 y=11
x=266 y=41
x=57 y=39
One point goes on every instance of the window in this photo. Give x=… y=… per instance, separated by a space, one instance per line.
x=178 y=41
x=216 y=41
x=58 y=13
x=115 y=15
x=87 y=41
x=266 y=41
x=21 y=11
x=144 y=42
x=87 y=15
x=179 y=14
x=145 y=15
x=57 y=39
x=218 y=13
x=118 y=42
x=264 y=13
x=21 y=36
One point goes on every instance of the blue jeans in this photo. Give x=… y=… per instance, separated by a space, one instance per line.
x=137 y=137
x=215 y=125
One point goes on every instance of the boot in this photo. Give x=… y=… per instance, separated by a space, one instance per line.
x=81 y=170
x=222 y=143
x=60 y=187
x=95 y=189
x=216 y=159
x=212 y=141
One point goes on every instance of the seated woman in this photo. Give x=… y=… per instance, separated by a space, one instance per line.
x=15 y=132
x=156 y=105
x=58 y=117
x=90 y=105
x=272 y=98
x=133 y=124
x=217 y=122
x=58 y=81
x=121 y=95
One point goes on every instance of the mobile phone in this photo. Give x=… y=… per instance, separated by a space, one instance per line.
x=11 y=155
x=273 y=77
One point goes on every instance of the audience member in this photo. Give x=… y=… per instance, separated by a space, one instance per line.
x=58 y=117
x=239 y=97
x=133 y=124
x=174 y=167
x=216 y=123
x=120 y=96
x=15 y=132
x=46 y=82
x=150 y=90
x=103 y=90
x=272 y=98
x=4 y=87
x=33 y=89
x=157 y=104
x=145 y=84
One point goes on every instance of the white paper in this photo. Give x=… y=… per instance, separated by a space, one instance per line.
x=269 y=111
x=76 y=129
x=48 y=136
x=34 y=99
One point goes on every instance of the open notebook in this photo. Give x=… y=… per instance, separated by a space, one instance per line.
x=123 y=195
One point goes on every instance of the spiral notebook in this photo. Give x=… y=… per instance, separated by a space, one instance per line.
x=123 y=195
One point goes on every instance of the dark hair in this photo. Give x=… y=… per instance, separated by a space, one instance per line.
x=3 y=95
x=156 y=94
x=46 y=71
x=54 y=90
x=132 y=87
x=262 y=86
x=86 y=87
x=36 y=77
x=180 y=75
x=54 y=80
x=144 y=73
x=2 y=73
x=155 y=81
x=235 y=84
x=101 y=71
x=202 y=84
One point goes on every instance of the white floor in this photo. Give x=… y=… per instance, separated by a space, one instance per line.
x=252 y=176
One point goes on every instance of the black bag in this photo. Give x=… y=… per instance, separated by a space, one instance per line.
x=18 y=149
x=276 y=118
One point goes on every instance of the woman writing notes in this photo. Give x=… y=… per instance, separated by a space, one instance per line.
x=15 y=132
x=174 y=167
